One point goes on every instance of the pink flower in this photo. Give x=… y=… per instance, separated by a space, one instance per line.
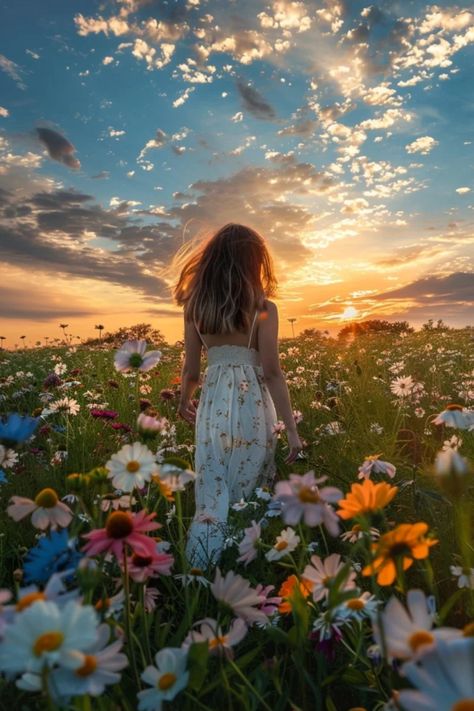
x=301 y=498
x=248 y=545
x=123 y=528
x=269 y=604
x=141 y=567
x=321 y=573
x=47 y=510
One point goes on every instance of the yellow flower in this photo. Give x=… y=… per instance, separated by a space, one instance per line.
x=365 y=498
x=405 y=543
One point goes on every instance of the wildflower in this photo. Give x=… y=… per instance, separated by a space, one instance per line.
x=248 y=545
x=150 y=598
x=449 y=461
x=132 y=356
x=218 y=642
x=401 y=387
x=167 y=394
x=269 y=605
x=235 y=591
x=287 y=591
x=44 y=633
x=46 y=508
x=366 y=498
x=54 y=591
x=263 y=493
x=54 y=553
x=465 y=576
x=357 y=532
x=278 y=428
x=167 y=678
x=443 y=678
x=321 y=574
x=372 y=464
x=90 y=671
x=297 y=416
x=131 y=467
x=140 y=568
x=195 y=575
x=176 y=474
x=67 y=405
x=408 y=632
x=8 y=457
x=123 y=528
x=16 y=429
x=455 y=416
x=301 y=498
x=101 y=414
x=150 y=425
x=117 y=502
x=364 y=605
x=285 y=543
x=402 y=545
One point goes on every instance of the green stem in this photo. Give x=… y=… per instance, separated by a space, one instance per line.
x=249 y=685
x=128 y=622
x=145 y=624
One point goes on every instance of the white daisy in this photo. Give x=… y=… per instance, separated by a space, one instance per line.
x=408 y=632
x=236 y=592
x=443 y=678
x=132 y=356
x=132 y=467
x=465 y=576
x=218 y=642
x=167 y=678
x=285 y=543
x=42 y=634
x=402 y=387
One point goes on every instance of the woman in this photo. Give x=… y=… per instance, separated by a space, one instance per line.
x=223 y=286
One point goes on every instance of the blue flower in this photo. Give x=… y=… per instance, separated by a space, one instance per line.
x=52 y=554
x=3 y=478
x=17 y=429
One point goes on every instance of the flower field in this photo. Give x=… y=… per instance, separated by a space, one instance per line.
x=349 y=585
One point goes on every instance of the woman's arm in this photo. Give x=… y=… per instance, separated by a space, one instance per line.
x=190 y=374
x=274 y=377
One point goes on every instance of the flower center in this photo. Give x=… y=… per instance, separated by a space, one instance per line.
x=455 y=407
x=217 y=642
x=281 y=545
x=133 y=466
x=464 y=705
x=89 y=666
x=195 y=571
x=119 y=525
x=325 y=581
x=418 y=639
x=309 y=495
x=468 y=630
x=29 y=599
x=355 y=604
x=141 y=561
x=399 y=550
x=46 y=499
x=103 y=603
x=135 y=360
x=166 y=681
x=47 y=642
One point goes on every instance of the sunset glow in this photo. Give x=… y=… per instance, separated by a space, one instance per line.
x=341 y=131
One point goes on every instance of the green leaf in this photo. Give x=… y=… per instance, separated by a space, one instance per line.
x=198 y=656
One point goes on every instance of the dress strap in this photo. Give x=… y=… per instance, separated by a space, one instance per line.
x=202 y=339
x=251 y=330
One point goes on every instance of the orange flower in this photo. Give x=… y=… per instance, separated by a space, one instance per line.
x=365 y=498
x=165 y=489
x=287 y=590
x=405 y=543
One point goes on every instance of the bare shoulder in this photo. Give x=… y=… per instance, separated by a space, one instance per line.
x=270 y=307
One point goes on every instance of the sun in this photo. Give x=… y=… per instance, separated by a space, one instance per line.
x=349 y=313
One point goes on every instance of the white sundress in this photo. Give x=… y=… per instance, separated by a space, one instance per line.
x=235 y=444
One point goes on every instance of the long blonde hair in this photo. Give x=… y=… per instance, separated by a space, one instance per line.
x=224 y=279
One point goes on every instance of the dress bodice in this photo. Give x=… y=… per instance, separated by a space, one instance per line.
x=232 y=355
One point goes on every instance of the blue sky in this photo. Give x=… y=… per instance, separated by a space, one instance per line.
x=342 y=131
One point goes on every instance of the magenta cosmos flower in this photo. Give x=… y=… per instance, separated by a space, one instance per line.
x=132 y=356
x=123 y=528
x=301 y=498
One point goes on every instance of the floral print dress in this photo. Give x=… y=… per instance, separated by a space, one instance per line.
x=235 y=444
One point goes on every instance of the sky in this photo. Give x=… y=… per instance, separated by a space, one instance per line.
x=341 y=131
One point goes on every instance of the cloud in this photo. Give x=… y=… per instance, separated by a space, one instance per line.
x=456 y=287
x=422 y=145
x=254 y=102
x=463 y=190
x=58 y=147
x=13 y=71
x=34 y=304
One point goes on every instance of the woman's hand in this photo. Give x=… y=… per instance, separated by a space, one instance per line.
x=187 y=410
x=295 y=445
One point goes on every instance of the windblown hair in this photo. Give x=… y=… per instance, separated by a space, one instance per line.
x=224 y=279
